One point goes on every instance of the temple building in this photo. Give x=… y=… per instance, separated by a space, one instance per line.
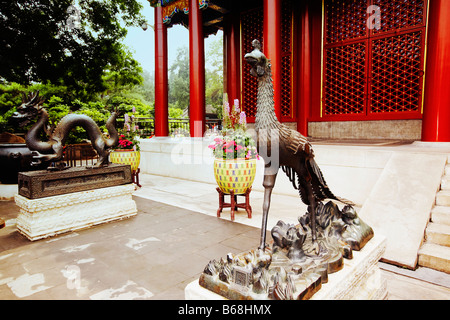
x=358 y=69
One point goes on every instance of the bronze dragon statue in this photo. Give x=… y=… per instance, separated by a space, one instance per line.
x=52 y=150
x=284 y=147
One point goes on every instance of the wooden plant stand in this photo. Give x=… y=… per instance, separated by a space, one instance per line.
x=135 y=176
x=233 y=204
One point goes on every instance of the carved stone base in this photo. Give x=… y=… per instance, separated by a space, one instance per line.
x=42 y=183
x=359 y=279
x=45 y=217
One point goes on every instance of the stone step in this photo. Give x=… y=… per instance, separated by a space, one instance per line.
x=440 y=214
x=435 y=257
x=445 y=183
x=447 y=168
x=443 y=198
x=438 y=233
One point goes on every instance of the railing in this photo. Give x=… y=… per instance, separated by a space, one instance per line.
x=177 y=126
x=84 y=154
x=76 y=155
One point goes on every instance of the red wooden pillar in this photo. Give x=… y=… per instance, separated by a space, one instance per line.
x=436 y=109
x=196 y=71
x=272 y=46
x=304 y=77
x=231 y=58
x=161 y=77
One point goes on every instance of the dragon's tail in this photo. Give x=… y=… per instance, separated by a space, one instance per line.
x=112 y=131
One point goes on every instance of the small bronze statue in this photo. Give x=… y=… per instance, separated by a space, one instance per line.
x=52 y=150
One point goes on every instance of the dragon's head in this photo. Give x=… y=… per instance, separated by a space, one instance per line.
x=260 y=65
x=30 y=107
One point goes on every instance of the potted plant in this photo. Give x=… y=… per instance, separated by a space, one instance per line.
x=127 y=150
x=234 y=153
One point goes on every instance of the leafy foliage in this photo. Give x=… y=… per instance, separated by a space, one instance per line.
x=179 y=80
x=66 y=44
x=214 y=76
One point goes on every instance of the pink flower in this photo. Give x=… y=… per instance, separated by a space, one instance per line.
x=236 y=105
x=230 y=143
x=227 y=108
x=242 y=118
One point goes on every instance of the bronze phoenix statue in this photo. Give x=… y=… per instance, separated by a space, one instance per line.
x=295 y=153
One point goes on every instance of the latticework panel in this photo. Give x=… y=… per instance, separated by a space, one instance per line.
x=372 y=73
x=396 y=84
x=286 y=86
x=344 y=81
x=286 y=51
x=252 y=28
x=346 y=19
x=400 y=14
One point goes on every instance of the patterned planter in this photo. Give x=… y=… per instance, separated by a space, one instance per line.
x=130 y=157
x=236 y=174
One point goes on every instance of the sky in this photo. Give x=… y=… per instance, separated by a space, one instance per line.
x=142 y=43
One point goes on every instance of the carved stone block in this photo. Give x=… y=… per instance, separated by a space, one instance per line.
x=49 y=216
x=42 y=183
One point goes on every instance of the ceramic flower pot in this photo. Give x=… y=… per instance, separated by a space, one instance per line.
x=234 y=174
x=130 y=157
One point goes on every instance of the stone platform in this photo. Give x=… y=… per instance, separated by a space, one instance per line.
x=393 y=185
x=49 y=216
x=360 y=279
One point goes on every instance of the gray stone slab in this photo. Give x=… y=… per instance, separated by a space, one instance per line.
x=400 y=203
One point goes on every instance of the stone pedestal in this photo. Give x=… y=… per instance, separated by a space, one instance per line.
x=360 y=279
x=53 y=215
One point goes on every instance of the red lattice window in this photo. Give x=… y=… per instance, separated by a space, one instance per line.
x=345 y=20
x=252 y=28
x=399 y=14
x=345 y=79
x=396 y=84
x=373 y=73
x=286 y=61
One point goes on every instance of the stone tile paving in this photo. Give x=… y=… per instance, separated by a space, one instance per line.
x=151 y=256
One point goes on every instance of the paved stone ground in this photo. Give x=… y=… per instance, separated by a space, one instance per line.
x=153 y=255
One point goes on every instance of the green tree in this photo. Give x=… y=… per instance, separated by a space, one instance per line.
x=179 y=79
x=214 y=76
x=65 y=43
x=125 y=74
